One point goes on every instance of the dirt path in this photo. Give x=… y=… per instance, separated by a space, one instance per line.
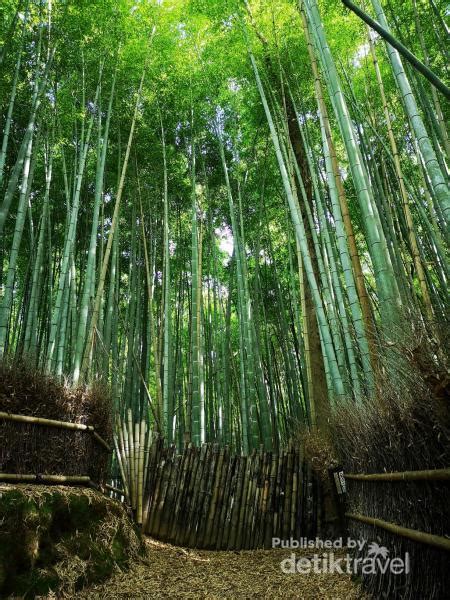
x=170 y=572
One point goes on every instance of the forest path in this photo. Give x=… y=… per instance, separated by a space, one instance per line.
x=171 y=572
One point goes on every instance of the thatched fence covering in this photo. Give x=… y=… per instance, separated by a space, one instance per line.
x=47 y=428
x=39 y=449
x=405 y=433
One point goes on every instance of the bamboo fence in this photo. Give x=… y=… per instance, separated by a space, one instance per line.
x=37 y=449
x=210 y=498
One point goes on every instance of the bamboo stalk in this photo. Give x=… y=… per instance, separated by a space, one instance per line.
x=120 y=460
x=131 y=461
x=141 y=450
x=410 y=57
x=430 y=539
x=427 y=475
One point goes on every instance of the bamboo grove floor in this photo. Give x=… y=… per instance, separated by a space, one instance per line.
x=173 y=572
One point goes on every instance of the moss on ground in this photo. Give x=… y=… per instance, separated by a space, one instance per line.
x=60 y=539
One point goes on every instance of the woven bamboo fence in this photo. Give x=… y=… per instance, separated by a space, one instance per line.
x=210 y=498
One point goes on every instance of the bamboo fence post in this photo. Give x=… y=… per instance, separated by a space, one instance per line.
x=210 y=494
x=264 y=497
x=241 y=522
x=166 y=492
x=214 y=497
x=223 y=536
x=184 y=469
x=155 y=498
x=268 y=532
x=224 y=501
x=287 y=495
x=194 y=509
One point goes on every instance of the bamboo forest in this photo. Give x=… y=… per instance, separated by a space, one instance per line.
x=224 y=297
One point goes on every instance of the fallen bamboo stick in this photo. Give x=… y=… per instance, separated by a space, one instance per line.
x=430 y=539
x=428 y=475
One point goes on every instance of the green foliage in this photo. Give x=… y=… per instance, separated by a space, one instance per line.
x=199 y=82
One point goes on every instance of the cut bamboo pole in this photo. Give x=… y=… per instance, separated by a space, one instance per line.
x=45 y=478
x=268 y=532
x=155 y=497
x=48 y=422
x=287 y=495
x=124 y=451
x=243 y=504
x=264 y=500
x=293 y=529
x=99 y=439
x=151 y=468
x=120 y=460
x=184 y=474
x=229 y=486
x=112 y=488
x=428 y=475
x=215 y=497
x=436 y=541
x=206 y=501
x=227 y=490
x=193 y=512
x=54 y=423
x=166 y=499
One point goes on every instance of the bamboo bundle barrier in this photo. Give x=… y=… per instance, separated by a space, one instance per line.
x=209 y=498
x=132 y=444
